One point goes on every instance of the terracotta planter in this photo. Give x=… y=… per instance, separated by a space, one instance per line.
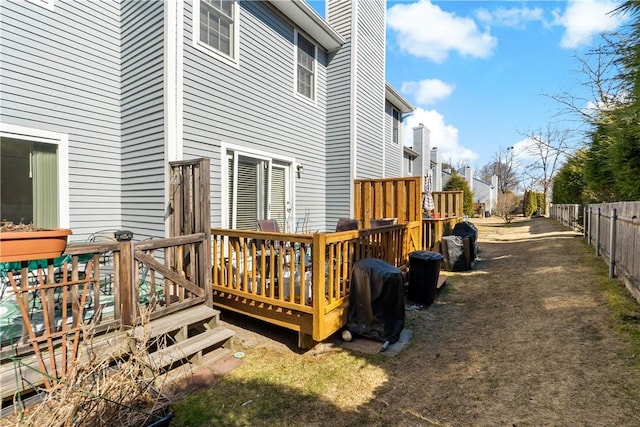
x=29 y=245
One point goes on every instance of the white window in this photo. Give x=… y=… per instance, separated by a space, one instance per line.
x=258 y=188
x=305 y=67
x=396 y=125
x=216 y=27
x=35 y=162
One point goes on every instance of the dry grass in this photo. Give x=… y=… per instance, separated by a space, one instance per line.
x=100 y=389
x=526 y=338
x=10 y=226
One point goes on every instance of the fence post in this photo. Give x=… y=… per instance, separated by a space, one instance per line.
x=126 y=288
x=584 y=220
x=612 y=243
x=598 y=232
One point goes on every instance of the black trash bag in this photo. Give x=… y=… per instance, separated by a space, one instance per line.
x=376 y=300
x=467 y=229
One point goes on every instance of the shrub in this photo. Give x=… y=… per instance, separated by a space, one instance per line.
x=507 y=205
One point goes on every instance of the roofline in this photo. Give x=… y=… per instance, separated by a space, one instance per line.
x=394 y=97
x=411 y=151
x=310 y=22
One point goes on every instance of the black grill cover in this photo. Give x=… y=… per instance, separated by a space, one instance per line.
x=376 y=300
x=467 y=229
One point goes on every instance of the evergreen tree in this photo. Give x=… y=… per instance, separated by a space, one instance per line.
x=457 y=183
x=570 y=185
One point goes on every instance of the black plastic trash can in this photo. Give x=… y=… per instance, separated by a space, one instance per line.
x=424 y=270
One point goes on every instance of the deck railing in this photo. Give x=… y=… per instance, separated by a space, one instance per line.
x=434 y=229
x=300 y=281
x=102 y=286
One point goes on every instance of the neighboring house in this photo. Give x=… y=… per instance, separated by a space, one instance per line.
x=396 y=109
x=416 y=159
x=98 y=97
x=483 y=192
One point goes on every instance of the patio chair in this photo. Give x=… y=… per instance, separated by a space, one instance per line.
x=268 y=225
x=345 y=224
x=375 y=223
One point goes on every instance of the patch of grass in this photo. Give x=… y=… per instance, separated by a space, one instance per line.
x=625 y=310
x=281 y=390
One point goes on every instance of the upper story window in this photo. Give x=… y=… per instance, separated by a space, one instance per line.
x=218 y=25
x=306 y=67
x=396 y=125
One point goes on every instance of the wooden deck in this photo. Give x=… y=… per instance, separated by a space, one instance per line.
x=138 y=292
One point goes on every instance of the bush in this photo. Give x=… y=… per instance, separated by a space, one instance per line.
x=542 y=204
x=507 y=205
x=530 y=203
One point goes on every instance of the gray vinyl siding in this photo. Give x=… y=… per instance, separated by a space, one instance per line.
x=338 y=147
x=254 y=105
x=370 y=80
x=143 y=158
x=60 y=73
x=393 y=150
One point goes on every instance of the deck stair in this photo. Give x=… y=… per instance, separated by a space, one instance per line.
x=182 y=341
x=178 y=343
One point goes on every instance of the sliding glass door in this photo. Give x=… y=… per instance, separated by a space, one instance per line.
x=29 y=182
x=258 y=189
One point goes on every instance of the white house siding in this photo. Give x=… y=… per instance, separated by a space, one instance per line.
x=143 y=161
x=394 y=151
x=60 y=73
x=339 y=127
x=370 y=87
x=263 y=113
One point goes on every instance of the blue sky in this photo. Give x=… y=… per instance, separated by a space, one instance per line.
x=478 y=71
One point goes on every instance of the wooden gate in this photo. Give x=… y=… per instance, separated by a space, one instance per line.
x=189 y=213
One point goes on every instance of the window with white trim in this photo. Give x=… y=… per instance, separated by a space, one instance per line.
x=258 y=188
x=396 y=125
x=306 y=67
x=217 y=23
x=32 y=169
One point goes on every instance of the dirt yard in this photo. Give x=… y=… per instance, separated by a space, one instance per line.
x=524 y=338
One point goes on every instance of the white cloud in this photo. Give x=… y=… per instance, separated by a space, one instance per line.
x=424 y=30
x=516 y=17
x=428 y=91
x=584 y=19
x=442 y=135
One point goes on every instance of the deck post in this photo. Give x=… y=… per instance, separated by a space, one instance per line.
x=125 y=286
x=319 y=285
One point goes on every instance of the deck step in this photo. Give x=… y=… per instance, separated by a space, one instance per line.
x=190 y=347
x=173 y=322
x=27 y=374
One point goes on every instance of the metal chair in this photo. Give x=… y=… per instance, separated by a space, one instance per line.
x=345 y=224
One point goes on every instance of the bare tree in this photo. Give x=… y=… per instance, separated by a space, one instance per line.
x=502 y=165
x=548 y=147
x=598 y=67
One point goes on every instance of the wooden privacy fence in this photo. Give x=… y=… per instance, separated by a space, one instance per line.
x=614 y=231
x=569 y=215
x=449 y=204
x=300 y=281
x=398 y=198
x=401 y=198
